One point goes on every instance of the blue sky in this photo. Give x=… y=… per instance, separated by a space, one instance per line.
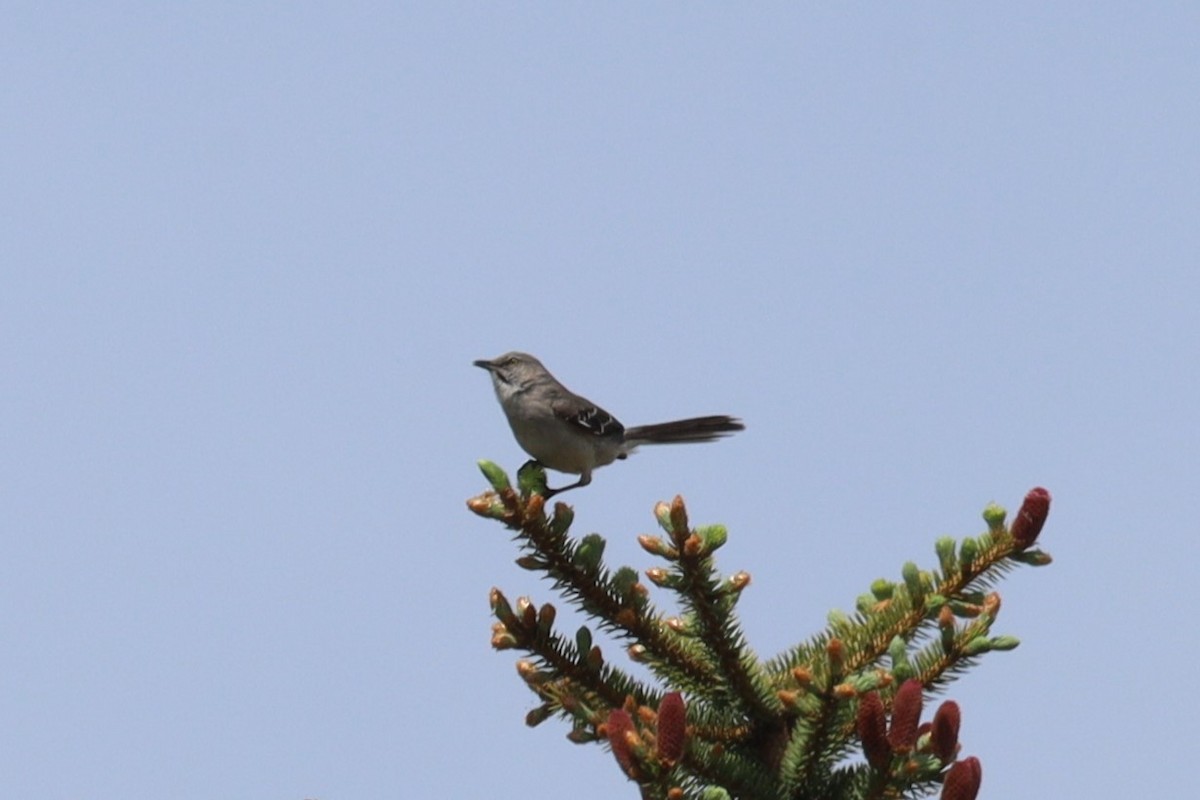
x=933 y=255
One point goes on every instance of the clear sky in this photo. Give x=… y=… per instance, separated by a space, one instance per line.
x=933 y=255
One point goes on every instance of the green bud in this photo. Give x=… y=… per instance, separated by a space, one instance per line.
x=531 y=478
x=1005 y=643
x=977 y=646
x=564 y=515
x=714 y=793
x=589 y=552
x=994 y=515
x=883 y=589
x=494 y=475
x=837 y=619
x=713 y=536
x=945 y=552
x=583 y=639
x=624 y=580
x=1034 y=558
x=865 y=603
x=968 y=551
x=912 y=580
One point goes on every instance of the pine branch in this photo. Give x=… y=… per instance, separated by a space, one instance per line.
x=616 y=601
x=711 y=602
x=775 y=730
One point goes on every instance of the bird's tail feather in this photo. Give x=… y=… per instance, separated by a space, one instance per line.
x=696 y=429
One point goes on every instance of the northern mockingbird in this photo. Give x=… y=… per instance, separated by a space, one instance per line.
x=569 y=433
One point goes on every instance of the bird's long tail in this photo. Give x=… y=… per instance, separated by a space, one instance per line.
x=696 y=429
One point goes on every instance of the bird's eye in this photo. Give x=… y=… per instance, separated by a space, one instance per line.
x=508 y=362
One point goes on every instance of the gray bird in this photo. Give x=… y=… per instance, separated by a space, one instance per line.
x=568 y=433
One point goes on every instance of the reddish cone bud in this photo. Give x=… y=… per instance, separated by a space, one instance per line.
x=657 y=546
x=502 y=609
x=1028 y=523
x=943 y=736
x=535 y=507
x=872 y=730
x=946 y=618
x=672 y=727
x=962 y=780
x=537 y=716
x=486 y=506
x=679 y=520
x=837 y=654
x=658 y=576
x=619 y=731
x=503 y=641
x=906 y=715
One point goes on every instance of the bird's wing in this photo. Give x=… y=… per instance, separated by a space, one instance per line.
x=588 y=418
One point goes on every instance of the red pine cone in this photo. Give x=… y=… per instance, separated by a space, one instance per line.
x=906 y=715
x=1030 y=519
x=872 y=730
x=620 y=725
x=943 y=736
x=962 y=780
x=672 y=727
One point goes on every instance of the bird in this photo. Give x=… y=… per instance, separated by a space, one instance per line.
x=568 y=433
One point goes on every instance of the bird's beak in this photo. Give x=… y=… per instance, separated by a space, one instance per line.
x=483 y=363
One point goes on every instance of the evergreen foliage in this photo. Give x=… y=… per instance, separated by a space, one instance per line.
x=836 y=717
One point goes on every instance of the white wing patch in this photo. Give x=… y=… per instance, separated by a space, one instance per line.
x=598 y=422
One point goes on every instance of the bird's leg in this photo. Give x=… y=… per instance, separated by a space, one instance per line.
x=536 y=483
x=584 y=480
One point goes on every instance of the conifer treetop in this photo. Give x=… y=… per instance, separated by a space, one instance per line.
x=723 y=723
